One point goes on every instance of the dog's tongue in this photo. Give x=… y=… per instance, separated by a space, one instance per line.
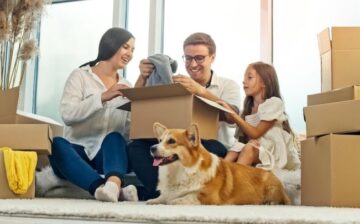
x=157 y=162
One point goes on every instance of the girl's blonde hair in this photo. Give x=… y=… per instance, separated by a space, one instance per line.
x=269 y=77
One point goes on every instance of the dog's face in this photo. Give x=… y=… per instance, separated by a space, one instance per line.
x=175 y=145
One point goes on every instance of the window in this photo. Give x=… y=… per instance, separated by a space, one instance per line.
x=69 y=36
x=233 y=24
x=296 y=54
x=138 y=25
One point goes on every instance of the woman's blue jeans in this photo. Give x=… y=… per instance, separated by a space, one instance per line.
x=69 y=161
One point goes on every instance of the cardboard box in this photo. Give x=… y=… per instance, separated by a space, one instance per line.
x=173 y=106
x=338 y=117
x=340 y=56
x=5 y=191
x=330 y=171
x=24 y=131
x=336 y=95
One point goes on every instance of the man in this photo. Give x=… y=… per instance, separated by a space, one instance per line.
x=199 y=54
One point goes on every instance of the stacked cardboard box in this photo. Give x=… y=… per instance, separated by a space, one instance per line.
x=330 y=154
x=22 y=131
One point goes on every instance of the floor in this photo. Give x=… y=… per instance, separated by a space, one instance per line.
x=25 y=220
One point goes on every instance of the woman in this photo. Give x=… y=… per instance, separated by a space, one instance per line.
x=92 y=154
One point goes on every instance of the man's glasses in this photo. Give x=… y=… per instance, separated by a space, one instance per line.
x=198 y=58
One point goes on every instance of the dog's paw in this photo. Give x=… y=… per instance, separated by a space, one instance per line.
x=154 y=201
x=185 y=201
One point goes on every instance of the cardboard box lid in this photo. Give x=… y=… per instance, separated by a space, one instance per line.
x=336 y=95
x=324 y=41
x=345 y=38
x=9 y=102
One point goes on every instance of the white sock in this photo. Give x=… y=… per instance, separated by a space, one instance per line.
x=108 y=192
x=129 y=193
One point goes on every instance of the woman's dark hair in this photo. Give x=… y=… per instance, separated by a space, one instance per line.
x=110 y=43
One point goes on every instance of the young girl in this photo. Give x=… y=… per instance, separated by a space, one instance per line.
x=270 y=141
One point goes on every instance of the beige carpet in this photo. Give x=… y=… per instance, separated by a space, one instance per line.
x=141 y=213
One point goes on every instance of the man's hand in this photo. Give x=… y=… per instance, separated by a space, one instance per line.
x=191 y=85
x=112 y=92
x=146 y=68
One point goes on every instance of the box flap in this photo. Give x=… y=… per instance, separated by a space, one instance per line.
x=324 y=41
x=345 y=38
x=160 y=91
x=213 y=104
x=23 y=117
x=30 y=118
x=9 y=101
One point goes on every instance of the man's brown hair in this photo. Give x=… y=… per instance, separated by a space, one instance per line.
x=201 y=38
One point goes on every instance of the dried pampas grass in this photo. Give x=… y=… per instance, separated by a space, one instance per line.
x=17 y=45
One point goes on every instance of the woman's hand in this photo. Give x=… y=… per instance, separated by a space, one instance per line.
x=113 y=91
x=191 y=85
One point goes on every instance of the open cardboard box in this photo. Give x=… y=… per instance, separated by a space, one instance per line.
x=25 y=131
x=340 y=56
x=330 y=171
x=173 y=106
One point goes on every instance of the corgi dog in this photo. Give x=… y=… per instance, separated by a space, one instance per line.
x=189 y=174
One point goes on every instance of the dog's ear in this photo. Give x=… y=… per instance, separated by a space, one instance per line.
x=158 y=129
x=193 y=135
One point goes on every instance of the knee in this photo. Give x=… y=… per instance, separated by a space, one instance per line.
x=58 y=147
x=58 y=143
x=250 y=150
x=139 y=148
x=115 y=136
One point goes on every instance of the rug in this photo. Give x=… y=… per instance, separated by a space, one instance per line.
x=80 y=209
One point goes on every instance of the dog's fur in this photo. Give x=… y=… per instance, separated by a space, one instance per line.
x=189 y=174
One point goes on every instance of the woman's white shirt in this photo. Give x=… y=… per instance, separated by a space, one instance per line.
x=88 y=120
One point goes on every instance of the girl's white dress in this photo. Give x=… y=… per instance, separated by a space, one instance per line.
x=277 y=147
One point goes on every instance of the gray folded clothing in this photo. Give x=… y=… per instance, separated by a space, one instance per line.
x=165 y=67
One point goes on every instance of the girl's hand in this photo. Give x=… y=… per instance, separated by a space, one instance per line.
x=191 y=85
x=113 y=91
x=254 y=142
x=227 y=116
x=146 y=68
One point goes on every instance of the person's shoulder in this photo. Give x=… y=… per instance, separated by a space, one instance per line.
x=225 y=81
x=273 y=100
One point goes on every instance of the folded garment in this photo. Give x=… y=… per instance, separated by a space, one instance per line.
x=20 y=169
x=165 y=67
